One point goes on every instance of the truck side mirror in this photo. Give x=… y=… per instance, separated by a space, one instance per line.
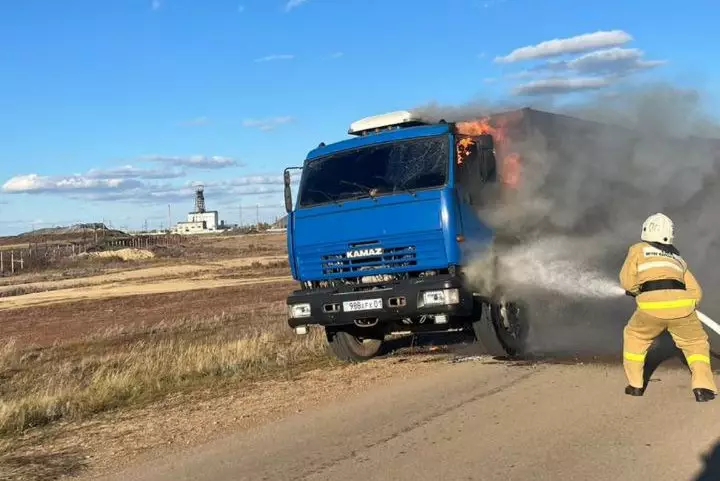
x=288 y=192
x=487 y=164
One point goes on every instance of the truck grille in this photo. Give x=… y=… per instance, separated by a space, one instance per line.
x=390 y=258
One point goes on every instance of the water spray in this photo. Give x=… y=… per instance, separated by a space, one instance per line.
x=541 y=266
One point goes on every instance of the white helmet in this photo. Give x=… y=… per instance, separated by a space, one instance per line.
x=658 y=228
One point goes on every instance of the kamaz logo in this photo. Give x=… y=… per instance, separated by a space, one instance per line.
x=377 y=251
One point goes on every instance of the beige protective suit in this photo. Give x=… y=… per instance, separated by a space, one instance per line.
x=657 y=310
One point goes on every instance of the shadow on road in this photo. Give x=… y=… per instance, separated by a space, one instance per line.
x=428 y=343
x=711 y=468
x=662 y=350
x=462 y=344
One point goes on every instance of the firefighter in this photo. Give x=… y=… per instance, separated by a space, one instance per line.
x=667 y=294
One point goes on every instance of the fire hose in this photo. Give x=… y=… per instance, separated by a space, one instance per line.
x=712 y=325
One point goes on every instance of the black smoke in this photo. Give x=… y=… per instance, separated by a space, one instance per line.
x=591 y=173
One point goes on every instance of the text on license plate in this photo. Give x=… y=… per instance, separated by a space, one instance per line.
x=362 y=305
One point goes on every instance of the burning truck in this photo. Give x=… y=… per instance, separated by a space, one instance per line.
x=399 y=228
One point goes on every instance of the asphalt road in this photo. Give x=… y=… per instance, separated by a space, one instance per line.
x=477 y=421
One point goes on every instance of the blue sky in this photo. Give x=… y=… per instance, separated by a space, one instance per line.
x=110 y=110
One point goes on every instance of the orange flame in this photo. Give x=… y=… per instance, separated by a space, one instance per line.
x=510 y=162
x=481 y=127
x=463 y=149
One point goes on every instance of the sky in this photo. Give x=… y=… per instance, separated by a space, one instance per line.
x=112 y=111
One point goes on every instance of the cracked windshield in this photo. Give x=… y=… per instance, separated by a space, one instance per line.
x=404 y=166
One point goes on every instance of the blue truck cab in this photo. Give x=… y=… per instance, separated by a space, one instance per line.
x=382 y=230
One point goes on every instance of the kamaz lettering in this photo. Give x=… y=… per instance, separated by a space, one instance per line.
x=378 y=251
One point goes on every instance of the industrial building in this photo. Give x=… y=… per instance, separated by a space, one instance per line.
x=201 y=220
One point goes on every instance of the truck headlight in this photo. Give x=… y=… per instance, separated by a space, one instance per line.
x=444 y=297
x=299 y=311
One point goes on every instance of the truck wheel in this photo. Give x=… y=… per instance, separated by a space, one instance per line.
x=349 y=347
x=501 y=329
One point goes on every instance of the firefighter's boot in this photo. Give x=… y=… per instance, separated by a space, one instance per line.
x=703 y=395
x=634 y=391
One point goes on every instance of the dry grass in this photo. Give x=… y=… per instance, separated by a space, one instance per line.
x=77 y=267
x=193 y=249
x=267 y=269
x=122 y=369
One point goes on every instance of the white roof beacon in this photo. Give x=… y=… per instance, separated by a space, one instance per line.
x=388 y=121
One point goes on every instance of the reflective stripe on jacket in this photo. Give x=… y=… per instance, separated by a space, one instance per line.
x=644 y=263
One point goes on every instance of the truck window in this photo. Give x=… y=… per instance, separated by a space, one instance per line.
x=381 y=169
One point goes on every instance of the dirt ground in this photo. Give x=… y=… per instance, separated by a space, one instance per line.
x=65 y=322
x=203 y=277
x=164 y=279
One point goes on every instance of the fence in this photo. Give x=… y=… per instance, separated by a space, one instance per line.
x=144 y=242
x=43 y=255
x=11 y=262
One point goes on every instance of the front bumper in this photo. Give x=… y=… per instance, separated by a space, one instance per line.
x=400 y=300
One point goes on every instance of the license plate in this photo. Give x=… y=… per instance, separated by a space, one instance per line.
x=363 y=305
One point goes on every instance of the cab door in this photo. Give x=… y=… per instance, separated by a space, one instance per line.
x=475 y=171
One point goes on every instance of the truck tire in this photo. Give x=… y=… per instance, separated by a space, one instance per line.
x=501 y=332
x=350 y=348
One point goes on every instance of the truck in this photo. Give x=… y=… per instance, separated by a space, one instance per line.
x=389 y=224
x=381 y=234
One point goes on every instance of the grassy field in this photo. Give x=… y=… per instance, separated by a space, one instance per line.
x=125 y=368
x=66 y=364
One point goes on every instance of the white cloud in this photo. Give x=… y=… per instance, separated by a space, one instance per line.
x=215 y=191
x=294 y=4
x=131 y=172
x=490 y=80
x=274 y=57
x=551 y=86
x=253 y=180
x=87 y=188
x=34 y=183
x=195 y=161
x=613 y=61
x=563 y=46
x=267 y=124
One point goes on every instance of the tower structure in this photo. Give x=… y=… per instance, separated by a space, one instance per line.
x=200 y=199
